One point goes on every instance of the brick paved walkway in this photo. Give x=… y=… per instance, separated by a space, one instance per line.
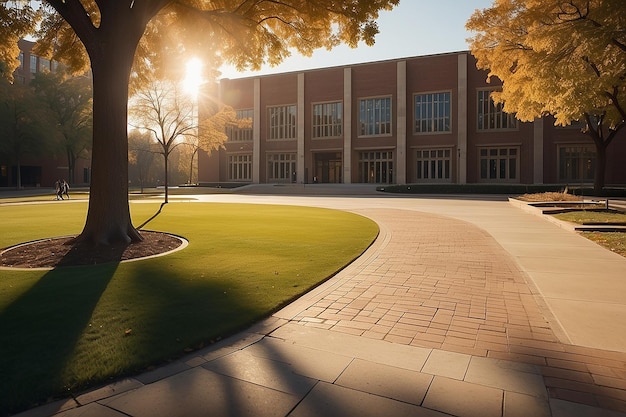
x=435 y=319
x=442 y=283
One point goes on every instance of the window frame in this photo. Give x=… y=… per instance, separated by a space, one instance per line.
x=376 y=166
x=363 y=126
x=238 y=134
x=433 y=118
x=496 y=116
x=335 y=126
x=583 y=148
x=33 y=64
x=278 y=163
x=425 y=164
x=287 y=129
x=241 y=165
x=496 y=165
x=44 y=65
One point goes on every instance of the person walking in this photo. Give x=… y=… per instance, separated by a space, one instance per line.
x=58 y=189
x=65 y=189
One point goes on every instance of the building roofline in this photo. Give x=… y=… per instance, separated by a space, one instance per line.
x=358 y=64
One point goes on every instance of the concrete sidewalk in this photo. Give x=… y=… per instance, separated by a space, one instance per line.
x=463 y=306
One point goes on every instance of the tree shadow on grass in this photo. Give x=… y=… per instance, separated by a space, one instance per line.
x=40 y=329
x=154 y=216
x=45 y=331
x=181 y=313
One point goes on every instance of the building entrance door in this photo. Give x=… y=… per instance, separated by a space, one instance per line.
x=376 y=167
x=327 y=167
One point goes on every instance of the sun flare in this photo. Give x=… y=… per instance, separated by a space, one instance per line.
x=193 y=76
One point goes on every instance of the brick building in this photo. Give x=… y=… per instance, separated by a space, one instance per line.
x=426 y=119
x=39 y=171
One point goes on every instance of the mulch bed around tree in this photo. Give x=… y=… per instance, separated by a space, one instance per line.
x=55 y=252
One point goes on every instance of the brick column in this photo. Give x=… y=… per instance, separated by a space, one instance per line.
x=300 y=131
x=461 y=121
x=347 y=126
x=256 y=133
x=399 y=175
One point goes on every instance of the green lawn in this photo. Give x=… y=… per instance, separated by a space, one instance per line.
x=70 y=328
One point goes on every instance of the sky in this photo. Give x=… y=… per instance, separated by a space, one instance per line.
x=413 y=28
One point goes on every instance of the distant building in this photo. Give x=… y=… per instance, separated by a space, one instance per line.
x=39 y=171
x=31 y=64
x=426 y=119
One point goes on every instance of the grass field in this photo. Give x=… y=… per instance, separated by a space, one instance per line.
x=69 y=328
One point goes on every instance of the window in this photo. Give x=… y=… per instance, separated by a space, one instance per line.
x=376 y=167
x=491 y=116
x=499 y=164
x=21 y=58
x=242 y=130
x=577 y=163
x=434 y=165
x=240 y=167
x=281 y=167
x=44 y=65
x=327 y=120
x=282 y=122
x=375 y=116
x=33 y=64
x=432 y=113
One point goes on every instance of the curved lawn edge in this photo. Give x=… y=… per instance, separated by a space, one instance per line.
x=111 y=321
x=183 y=244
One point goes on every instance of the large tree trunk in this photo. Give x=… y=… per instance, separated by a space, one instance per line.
x=111 y=46
x=108 y=219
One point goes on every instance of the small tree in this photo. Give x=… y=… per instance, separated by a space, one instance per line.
x=164 y=113
x=169 y=116
x=564 y=58
x=70 y=102
x=24 y=123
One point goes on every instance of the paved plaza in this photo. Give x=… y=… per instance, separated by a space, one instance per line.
x=463 y=306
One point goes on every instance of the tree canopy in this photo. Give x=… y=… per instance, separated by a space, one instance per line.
x=247 y=33
x=69 y=99
x=110 y=36
x=15 y=23
x=24 y=125
x=563 y=58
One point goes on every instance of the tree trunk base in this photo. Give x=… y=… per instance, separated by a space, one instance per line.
x=104 y=238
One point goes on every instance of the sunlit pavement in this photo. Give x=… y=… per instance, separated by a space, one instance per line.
x=464 y=306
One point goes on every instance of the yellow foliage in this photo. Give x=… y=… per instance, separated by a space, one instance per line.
x=567 y=59
x=245 y=33
x=15 y=23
